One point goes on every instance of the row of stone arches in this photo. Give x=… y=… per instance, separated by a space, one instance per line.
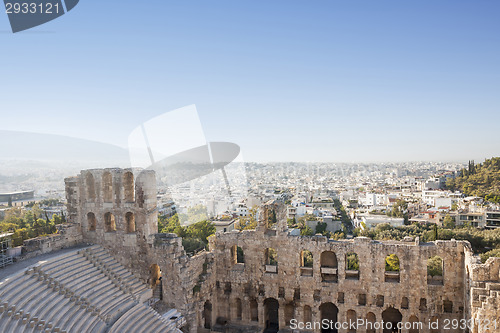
x=110 y=222
x=329 y=265
x=328 y=313
x=108 y=187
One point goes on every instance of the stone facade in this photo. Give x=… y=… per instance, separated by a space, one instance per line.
x=270 y=284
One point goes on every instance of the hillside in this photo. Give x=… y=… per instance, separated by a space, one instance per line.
x=482 y=180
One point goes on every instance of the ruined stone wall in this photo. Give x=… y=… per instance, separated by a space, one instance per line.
x=484 y=294
x=116 y=208
x=213 y=288
x=68 y=235
x=366 y=295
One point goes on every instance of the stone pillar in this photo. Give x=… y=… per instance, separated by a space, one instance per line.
x=262 y=320
x=281 y=314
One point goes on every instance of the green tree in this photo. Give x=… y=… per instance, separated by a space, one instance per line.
x=352 y=261
x=306 y=231
x=448 y=222
x=201 y=230
x=392 y=263
x=320 y=228
x=435 y=266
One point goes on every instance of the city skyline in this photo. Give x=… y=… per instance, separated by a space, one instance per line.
x=286 y=81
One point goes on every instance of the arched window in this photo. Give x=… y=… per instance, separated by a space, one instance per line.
x=435 y=270
x=423 y=305
x=371 y=320
x=107 y=186
x=328 y=262
x=271 y=260
x=306 y=263
x=329 y=312
x=447 y=306
x=351 y=320
x=352 y=266
x=405 y=303
x=415 y=325
x=130 y=220
x=306 y=259
x=109 y=222
x=307 y=314
x=91 y=221
x=90 y=184
x=237 y=255
x=393 y=316
x=128 y=186
x=392 y=268
x=271 y=308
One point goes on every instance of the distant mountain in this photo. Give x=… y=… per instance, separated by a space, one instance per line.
x=482 y=180
x=57 y=148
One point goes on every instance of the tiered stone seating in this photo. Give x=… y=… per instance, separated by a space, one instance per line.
x=142 y=319
x=82 y=291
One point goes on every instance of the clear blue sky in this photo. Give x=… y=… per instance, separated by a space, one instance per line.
x=286 y=80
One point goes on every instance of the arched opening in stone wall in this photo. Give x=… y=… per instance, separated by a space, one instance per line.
x=379 y=301
x=371 y=319
x=207 y=315
x=328 y=262
x=107 y=186
x=306 y=259
x=435 y=270
x=91 y=221
x=128 y=187
x=447 y=306
x=392 y=268
x=329 y=312
x=405 y=303
x=271 y=257
x=307 y=314
x=351 y=320
x=109 y=222
x=237 y=255
x=352 y=266
x=130 y=222
x=306 y=263
x=90 y=184
x=271 y=319
x=415 y=325
x=289 y=312
x=271 y=260
x=391 y=317
x=154 y=275
x=362 y=299
x=155 y=281
x=238 y=309
x=254 y=310
x=423 y=305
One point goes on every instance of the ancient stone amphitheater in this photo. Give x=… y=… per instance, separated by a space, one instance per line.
x=117 y=274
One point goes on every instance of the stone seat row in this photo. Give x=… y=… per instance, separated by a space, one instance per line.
x=119 y=275
x=142 y=319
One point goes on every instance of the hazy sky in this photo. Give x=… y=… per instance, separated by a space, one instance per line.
x=286 y=80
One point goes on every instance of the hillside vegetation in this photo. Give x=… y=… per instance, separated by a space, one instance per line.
x=482 y=180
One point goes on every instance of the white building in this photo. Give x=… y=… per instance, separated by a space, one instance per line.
x=371 y=221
